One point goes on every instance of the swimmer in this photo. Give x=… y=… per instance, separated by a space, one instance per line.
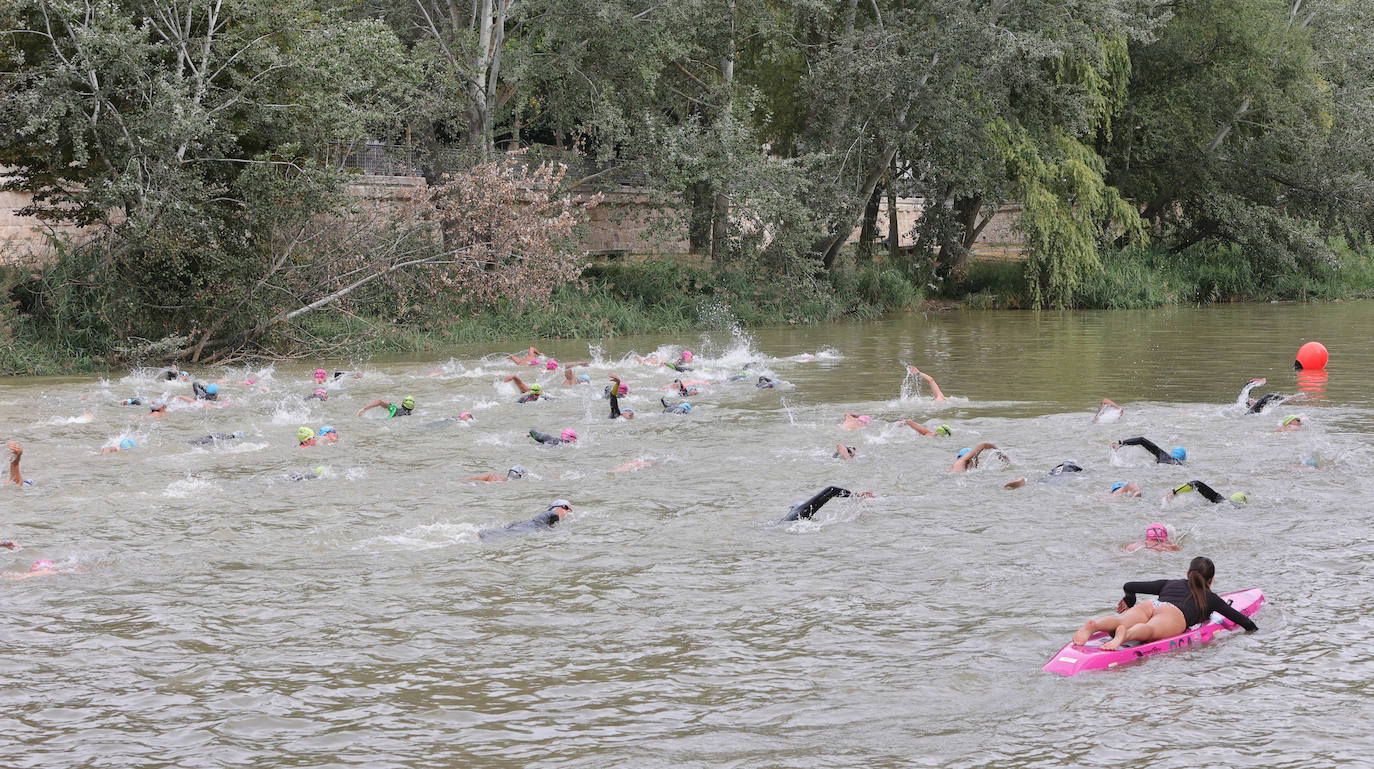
x=320 y=394
x=568 y=436
x=16 y=478
x=1182 y=603
x=967 y=458
x=531 y=393
x=392 y=410
x=1267 y=400
x=528 y=359
x=942 y=431
x=804 y=510
x=514 y=474
x=135 y=401
x=844 y=452
x=328 y=434
x=124 y=445
x=1207 y=492
x=40 y=568
x=1244 y=398
x=622 y=390
x=172 y=375
x=569 y=378
x=1108 y=412
x=310 y=476
x=855 y=421
x=1175 y=456
x=321 y=375
x=211 y=438
x=634 y=464
x=1125 y=489
x=466 y=416
x=1290 y=424
x=616 y=411
x=765 y=383
x=744 y=373
x=684 y=390
x=1059 y=470
x=675 y=408
x=306 y=436
x=681 y=363
x=558 y=509
x=1156 y=539
x=10 y=545
x=205 y=392
x=156 y=410
x=934 y=388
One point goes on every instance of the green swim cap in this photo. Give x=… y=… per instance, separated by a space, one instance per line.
x=1288 y=420
x=943 y=430
x=1239 y=498
x=319 y=470
x=304 y=434
x=408 y=403
x=536 y=388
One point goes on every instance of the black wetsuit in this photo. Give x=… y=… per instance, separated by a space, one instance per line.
x=530 y=397
x=201 y=394
x=615 y=404
x=133 y=402
x=394 y=410
x=1207 y=492
x=214 y=437
x=764 y=383
x=543 y=521
x=302 y=476
x=676 y=408
x=851 y=450
x=1268 y=399
x=1161 y=456
x=1175 y=591
x=678 y=365
x=546 y=439
x=1063 y=468
x=315 y=397
x=804 y=510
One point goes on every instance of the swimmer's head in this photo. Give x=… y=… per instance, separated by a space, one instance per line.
x=584 y=378
x=627 y=413
x=408 y=403
x=516 y=472
x=561 y=506
x=1156 y=532
x=304 y=434
x=321 y=373
x=318 y=470
x=465 y=416
x=212 y=389
x=962 y=452
x=1179 y=453
x=570 y=435
x=42 y=564
x=1118 y=485
x=1239 y=498
x=1309 y=461
x=536 y=389
x=943 y=431
x=687 y=356
x=1293 y=419
x=685 y=406
x=864 y=418
x=551 y=365
x=183 y=375
x=320 y=391
x=157 y=406
x=327 y=429
x=250 y=381
x=126 y=444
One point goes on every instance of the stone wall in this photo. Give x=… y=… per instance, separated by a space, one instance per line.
x=23 y=237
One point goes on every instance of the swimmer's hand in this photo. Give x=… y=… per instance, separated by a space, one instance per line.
x=864 y=495
x=1121 y=606
x=15 y=449
x=1116 y=445
x=913 y=370
x=9 y=545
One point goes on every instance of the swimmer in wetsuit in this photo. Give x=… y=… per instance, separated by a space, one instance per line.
x=558 y=509
x=1207 y=492
x=320 y=394
x=1182 y=603
x=531 y=393
x=211 y=438
x=765 y=383
x=1175 y=456
x=1244 y=398
x=1265 y=401
x=1059 y=470
x=675 y=408
x=804 y=510
x=392 y=410
x=684 y=390
x=611 y=391
x=569 y=436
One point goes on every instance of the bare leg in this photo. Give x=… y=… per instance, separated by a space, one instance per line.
x=1135 y=615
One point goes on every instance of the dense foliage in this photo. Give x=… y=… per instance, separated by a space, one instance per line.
x=204 y=141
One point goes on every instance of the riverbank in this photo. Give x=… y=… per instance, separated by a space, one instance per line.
x=666 y=296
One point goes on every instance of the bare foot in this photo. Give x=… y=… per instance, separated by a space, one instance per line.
x=1117 y=639
x=1084 y=633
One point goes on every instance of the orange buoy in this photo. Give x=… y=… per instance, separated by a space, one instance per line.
x=1311 y=357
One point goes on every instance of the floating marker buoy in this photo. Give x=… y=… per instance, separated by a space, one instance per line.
x=1311 y=357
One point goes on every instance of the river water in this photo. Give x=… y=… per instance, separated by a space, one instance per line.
x=210 y=612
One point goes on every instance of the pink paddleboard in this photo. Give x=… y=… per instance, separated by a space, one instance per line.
x=1073 y=659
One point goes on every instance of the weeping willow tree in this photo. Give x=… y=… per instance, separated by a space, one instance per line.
x=1068 y=208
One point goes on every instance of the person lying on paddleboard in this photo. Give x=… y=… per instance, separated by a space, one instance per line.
x=1182 y=603
x=1174 y=456
x=804 y=510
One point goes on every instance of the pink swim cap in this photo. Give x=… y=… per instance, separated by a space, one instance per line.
x=1156 y=531
x=42 y=564
x=865 y=418
x=551 y=365
x=250 y=380
x=321 y=373
x=569 y=434
x=686 y=354
x=624 y=389
x=465 y=415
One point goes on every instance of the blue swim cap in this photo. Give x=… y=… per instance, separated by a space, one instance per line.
x=686 y=406
x=1309 y=461
x=584 y=378
x=962 y=452
x=126 y=444
x=1116 y=486
x=212 y=388
x=327 y=429
x=1179 y=453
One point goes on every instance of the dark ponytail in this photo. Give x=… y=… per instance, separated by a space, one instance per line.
x=1200 y=573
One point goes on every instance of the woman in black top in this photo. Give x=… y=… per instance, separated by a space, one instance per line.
x=1182 y=603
